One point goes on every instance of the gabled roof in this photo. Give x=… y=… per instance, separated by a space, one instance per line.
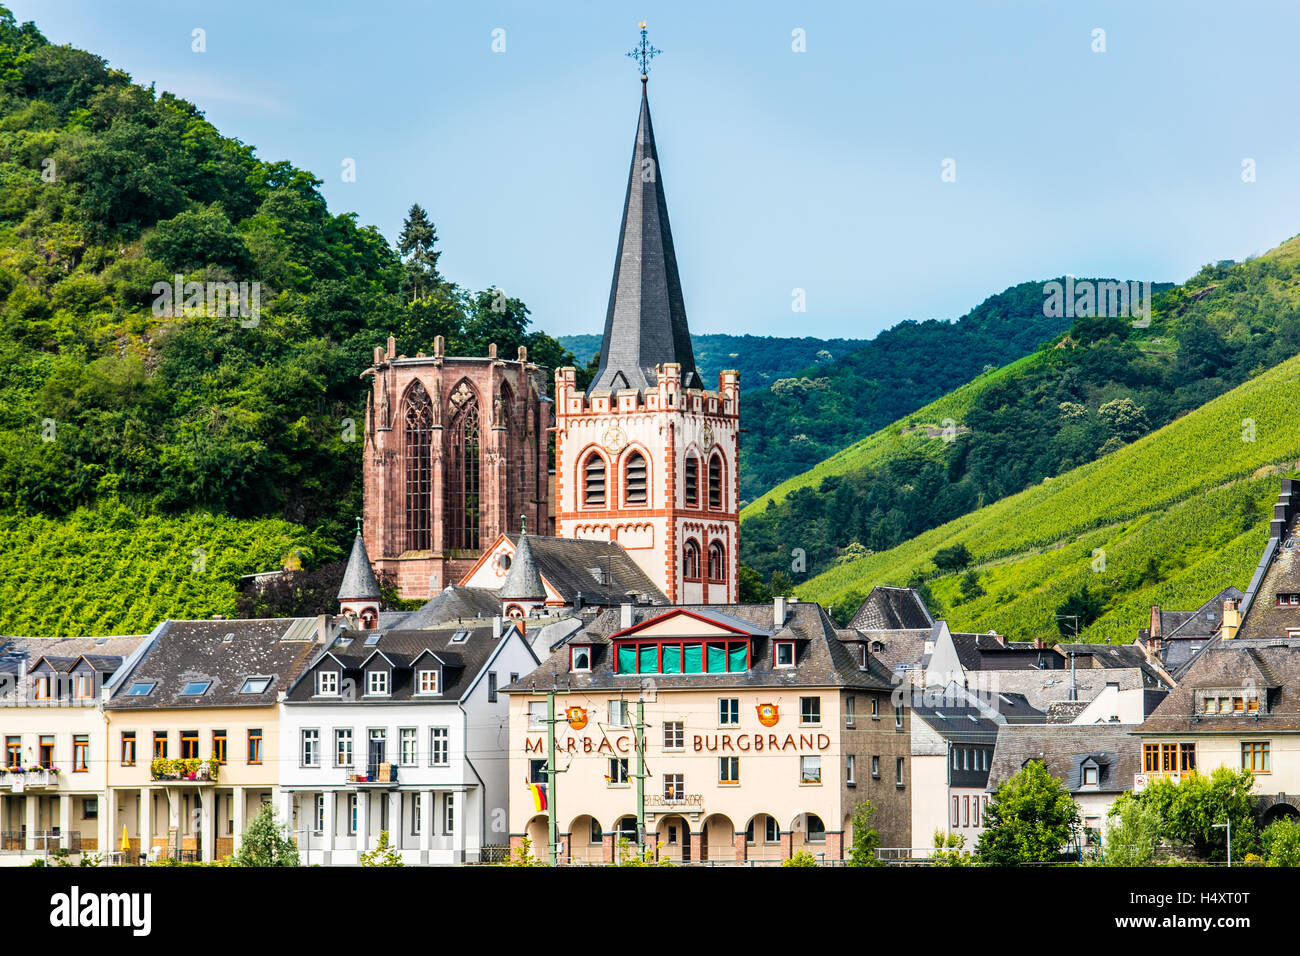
x=359 y=582
x=576 y=566
x=462 y=660
x=1269 y=665
x=186 y=651
x=707 y=614
x=452 y=603
x=822 y=659
x=645 y=324
x=889 y=609
x=1063 y=749
x=1205 y=621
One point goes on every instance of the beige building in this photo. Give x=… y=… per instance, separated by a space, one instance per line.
x=53 y=774
x=193 y=733
x=762 y=728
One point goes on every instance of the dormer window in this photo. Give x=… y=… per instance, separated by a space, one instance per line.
x=84 y=687
x=1288 y=600
x=784 y=654
x=327 y=683
x=43 y=687
x=862 y=654
x=1091 y=774
x=377 y=683
x=580 y=658
x=428 y=682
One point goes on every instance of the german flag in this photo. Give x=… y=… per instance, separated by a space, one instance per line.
x=538 y=791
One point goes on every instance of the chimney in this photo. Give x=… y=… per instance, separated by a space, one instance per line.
x=1231 y=619
x=778 y=611
x=1038 y=644
x=496 y=626
x=625 y=616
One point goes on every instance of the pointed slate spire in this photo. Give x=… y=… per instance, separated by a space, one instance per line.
x=646 y=322
x=523 y=581
x=359 y=582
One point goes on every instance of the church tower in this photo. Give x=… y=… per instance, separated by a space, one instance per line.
x=647 y=455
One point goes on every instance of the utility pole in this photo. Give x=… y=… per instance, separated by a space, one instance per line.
x=551 y=836
x=638 y=744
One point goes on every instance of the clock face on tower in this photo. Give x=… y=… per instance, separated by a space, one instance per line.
x=706 y=437
x=613 y=439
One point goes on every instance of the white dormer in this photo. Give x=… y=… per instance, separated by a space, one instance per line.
x=580 y=657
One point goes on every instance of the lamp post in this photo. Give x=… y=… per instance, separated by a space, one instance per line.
x=1228 y=827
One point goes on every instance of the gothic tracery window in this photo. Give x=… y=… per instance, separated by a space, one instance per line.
x=418 y=426
x=463 y=475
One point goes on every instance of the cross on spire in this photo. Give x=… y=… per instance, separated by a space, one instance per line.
x=643 y=53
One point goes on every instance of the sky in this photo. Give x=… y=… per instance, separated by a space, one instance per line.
x=821 y=170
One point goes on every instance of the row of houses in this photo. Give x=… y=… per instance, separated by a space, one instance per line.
x=554 y=697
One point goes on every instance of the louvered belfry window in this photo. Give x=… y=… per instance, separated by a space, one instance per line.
x=593 y=482
x=419 y=468
x=715 y=482
x=462 y=477
x=692 y=482
x=636 y=479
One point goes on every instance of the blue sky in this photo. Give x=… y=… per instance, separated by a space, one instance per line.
x=817 y=170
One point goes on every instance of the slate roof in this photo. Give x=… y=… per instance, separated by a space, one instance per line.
x=452 y=603
x=105 y=654
x=359 y=582
x=523 y=581
x=1264 y=619
x=1205 y=621
x=1273 y=665
x=960 y=724
x=645 y=324
x=894 y=649
x=821 y=658
x=1044 y=688
x=1104 y=656
x=572 y=565
x=462 y=660
x=891 y=609
x=1063 y=749
x=185 y=651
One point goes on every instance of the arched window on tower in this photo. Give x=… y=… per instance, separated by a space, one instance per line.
x=715 y=482
x=717 y=562
x=635 y=479
x=593 y=481
x=418 y=426
x=691 y=560
x=692 y=481
x=462 y=478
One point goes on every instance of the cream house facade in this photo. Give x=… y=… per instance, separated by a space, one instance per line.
x=53 y=776
x=193 y=734
x=761 y=726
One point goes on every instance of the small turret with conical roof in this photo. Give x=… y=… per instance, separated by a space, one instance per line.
x=522 y=589
x=359 y=592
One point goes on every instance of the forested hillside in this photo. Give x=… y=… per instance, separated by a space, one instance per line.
x=180 y=406
x=1090 y=392
x=1170 y=520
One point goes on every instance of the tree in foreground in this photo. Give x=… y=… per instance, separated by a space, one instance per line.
x=801 y=858
x=1190 y=809
x=950 y=850
x=266 y=842
x=1132 y=833
x=866 y=841
x=384 y=854
x=1031 y=819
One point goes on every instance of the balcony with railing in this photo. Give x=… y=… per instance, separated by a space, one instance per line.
x=378 y=775
x=18 y=780
x=185 y=771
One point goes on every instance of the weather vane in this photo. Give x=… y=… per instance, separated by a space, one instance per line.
x=644 y=53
